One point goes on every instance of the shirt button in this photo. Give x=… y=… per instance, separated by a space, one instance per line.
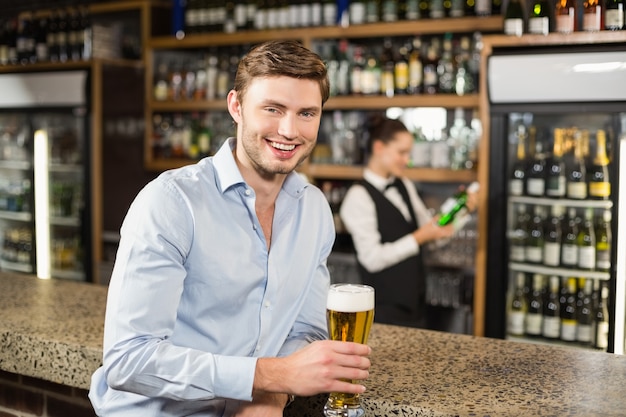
x=248 y=192
x=267 y=304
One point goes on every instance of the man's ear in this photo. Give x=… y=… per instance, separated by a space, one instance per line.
x=234 y=106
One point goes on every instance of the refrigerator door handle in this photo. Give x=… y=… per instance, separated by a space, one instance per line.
x=620 y=270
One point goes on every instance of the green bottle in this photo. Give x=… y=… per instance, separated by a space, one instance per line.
x=451 y=208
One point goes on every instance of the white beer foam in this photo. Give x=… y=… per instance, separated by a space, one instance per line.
x=350 y=298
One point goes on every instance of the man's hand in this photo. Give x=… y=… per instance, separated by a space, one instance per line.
x=323 y=366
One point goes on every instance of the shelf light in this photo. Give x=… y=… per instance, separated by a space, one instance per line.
x=42 y=206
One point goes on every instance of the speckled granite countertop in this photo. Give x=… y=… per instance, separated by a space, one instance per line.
x=53 y=330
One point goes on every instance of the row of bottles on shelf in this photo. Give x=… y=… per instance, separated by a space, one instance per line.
x=563 y=16
x=343 y=138
x=189 y=135
x=15 y=195
x=448 y=287
x=570 y=309
x=17 y=245
x=14 y=140
x=568 y=171
x=201 y=16
x=59 y=35
x=418 y=65
x=553 y=240
x=65 y=198
x=397 y=66
x=18 y=248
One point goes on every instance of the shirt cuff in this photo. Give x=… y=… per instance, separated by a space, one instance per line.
x=234 y=377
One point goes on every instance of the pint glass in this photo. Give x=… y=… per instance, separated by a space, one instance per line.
x=349 y=313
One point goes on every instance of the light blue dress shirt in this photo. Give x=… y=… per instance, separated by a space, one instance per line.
x=195 y=296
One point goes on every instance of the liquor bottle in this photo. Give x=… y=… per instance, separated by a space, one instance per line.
x=456 y=206
x=534 y=316
x=40 y=35
x=514 y=18
x=603 y=241
x=536 y=237
x=598 y=174
x=457 y=8
x=371 y=76
x=4 y=43
x=587 y=242
x=329 y=12
x=424 y=6
x=412 y=10
x=553 y=233
x=62 y=36
x=356 y=72
x=569 y=312
x=401 y=69
x=593 y=16
x=343 y=70
x=565 y=16
x=519 y=235
x=482 y=8
x=539 y=17
x=551 y=313
x=577 y=173
x=436 y=9
x=416 y=69
x=600 y=326
x=614 y=14
x=518 y=307
x=389 y=10
x=430 y=81
x=585 y=312
x=74 y=38
x=555 y=169
x=357 y=12
x=536 y=176
x=569 y=244
x=387 y=80
x=445 y=67
x=372 y=11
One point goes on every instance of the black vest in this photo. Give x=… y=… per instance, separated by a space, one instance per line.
x=401 y=288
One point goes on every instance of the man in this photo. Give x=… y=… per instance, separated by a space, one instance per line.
x=216 y=305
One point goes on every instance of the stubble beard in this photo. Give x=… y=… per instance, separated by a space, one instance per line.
x=253 y=144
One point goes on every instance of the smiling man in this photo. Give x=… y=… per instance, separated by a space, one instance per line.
x=217 y=301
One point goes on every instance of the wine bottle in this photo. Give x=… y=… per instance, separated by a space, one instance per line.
x=600 y=326
x=565 y=16
x=593 y=16
x=569 y=312
x=514 y=18
x=569 y=244
x=587 y=242
x=551 y=313
x=577 y=173
x=555 y=169
x=519 y=235
x=536 y=237
x=456 y=206
x=553 y=233
x=416 y=71
x=614 y=14
x=535 y=178
x=539 y=17
x=518 y=173
x=518 y=306
x=599 y=181
x=603 y=241
x=585 y=311
x=534 y=316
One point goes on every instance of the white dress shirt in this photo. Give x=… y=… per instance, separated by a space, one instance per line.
x=358 y=214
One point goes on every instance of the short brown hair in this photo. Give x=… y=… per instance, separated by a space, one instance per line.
x=275 y=58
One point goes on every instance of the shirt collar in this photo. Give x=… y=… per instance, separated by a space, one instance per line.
x=376 y=180
x=228 y=173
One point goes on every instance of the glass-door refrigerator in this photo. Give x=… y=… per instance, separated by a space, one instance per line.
x=44 y=174
x=557 y=170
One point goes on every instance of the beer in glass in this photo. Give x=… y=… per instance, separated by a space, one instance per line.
x=349 y=313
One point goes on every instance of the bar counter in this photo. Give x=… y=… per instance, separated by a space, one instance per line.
x=52 y=330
